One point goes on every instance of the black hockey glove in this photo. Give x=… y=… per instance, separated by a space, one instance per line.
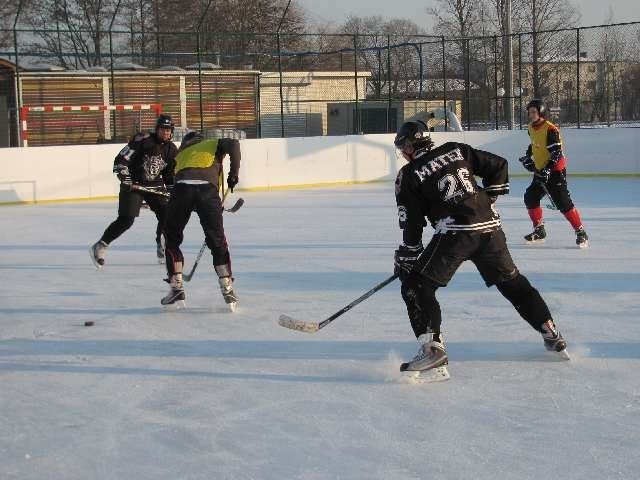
x=232 y=181
x=527 y=163
x=404 y=259
x=122 y=172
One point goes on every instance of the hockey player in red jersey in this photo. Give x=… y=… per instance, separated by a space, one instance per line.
x=546 y=160
x=439 y=184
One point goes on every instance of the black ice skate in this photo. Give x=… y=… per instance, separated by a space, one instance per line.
x=537 y=236
x=430 y=363
x=160 y=250
x=582 y=239
x=553 y=339
x=176 y=297
x=230 y=297
x=97 y=252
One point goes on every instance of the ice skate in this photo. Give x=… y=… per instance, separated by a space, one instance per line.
x=553 y=340
x=582 y=239
x=430 y=363
x=160 y=250
x=176 y=297
x=537 y=236
x=97 y=252
x=230 y=297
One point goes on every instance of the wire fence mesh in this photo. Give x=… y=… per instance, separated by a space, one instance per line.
x=283 y=85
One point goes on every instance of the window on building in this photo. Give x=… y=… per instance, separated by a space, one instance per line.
x=567 y=85
x=591 y=68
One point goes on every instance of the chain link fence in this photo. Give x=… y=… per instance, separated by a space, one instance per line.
x=282 y=85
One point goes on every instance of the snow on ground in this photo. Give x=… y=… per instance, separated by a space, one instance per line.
x=205 y=394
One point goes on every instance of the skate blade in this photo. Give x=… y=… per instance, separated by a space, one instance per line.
x=563 y=355
x=160 y=261
x=438 y=374
x=232 y=306
x=177 y=305
x=584 y=245
x=534 y=242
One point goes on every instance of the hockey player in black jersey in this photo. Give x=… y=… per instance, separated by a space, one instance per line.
x=198 y=167
x=148 y=160
x=439 y=184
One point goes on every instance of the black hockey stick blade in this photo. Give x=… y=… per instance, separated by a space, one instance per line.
x=312 y=327
x=236 y=206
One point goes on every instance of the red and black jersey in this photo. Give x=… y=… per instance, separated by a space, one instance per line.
x=440 y=185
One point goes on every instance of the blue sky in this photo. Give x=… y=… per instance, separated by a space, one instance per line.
x=594 y=12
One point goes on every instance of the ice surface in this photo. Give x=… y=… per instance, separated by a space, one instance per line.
x=205 y=394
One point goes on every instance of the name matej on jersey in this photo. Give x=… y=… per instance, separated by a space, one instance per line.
x=438 y=162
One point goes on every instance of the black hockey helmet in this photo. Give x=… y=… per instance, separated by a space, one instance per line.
x=165 y=121
x=191 y=138
x=539 y=105
x=415 y=133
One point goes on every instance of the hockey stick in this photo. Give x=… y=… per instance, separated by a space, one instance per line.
x=236 y=206
x=312 y=327
x=551 y=205
x=140 y=188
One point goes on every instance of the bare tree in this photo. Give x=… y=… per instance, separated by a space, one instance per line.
x=374 y=35
x=539 y=16
x=70 y=30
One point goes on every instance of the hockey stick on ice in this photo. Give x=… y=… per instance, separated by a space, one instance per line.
x=312 y=327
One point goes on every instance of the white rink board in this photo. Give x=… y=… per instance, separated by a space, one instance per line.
x=75 y=172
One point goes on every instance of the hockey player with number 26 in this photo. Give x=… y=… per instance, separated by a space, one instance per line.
x=439 y=184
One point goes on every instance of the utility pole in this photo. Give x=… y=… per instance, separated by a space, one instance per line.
x=509 y=72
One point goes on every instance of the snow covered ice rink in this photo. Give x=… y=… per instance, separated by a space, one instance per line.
x=206 y=394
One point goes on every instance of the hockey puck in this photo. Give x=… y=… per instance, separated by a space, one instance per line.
x=88 y=323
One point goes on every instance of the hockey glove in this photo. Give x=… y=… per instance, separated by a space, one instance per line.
x=527 y=163
x=541 y=177
x=232 y=181
x=404 y=259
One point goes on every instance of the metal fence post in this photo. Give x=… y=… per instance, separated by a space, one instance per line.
x=389 y=83
x=467 y=81
x=421 y=72
x=18 y=87
x=495 y=77
x=203 y=16
x=112 y=85
x=281 y=92
x=444 y=85
x=578 y=74
x=520 y=78
x=355 y=74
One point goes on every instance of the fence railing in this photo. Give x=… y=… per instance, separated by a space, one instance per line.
x=272 y=85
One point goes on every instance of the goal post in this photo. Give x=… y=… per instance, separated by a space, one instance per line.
x=27 y=111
